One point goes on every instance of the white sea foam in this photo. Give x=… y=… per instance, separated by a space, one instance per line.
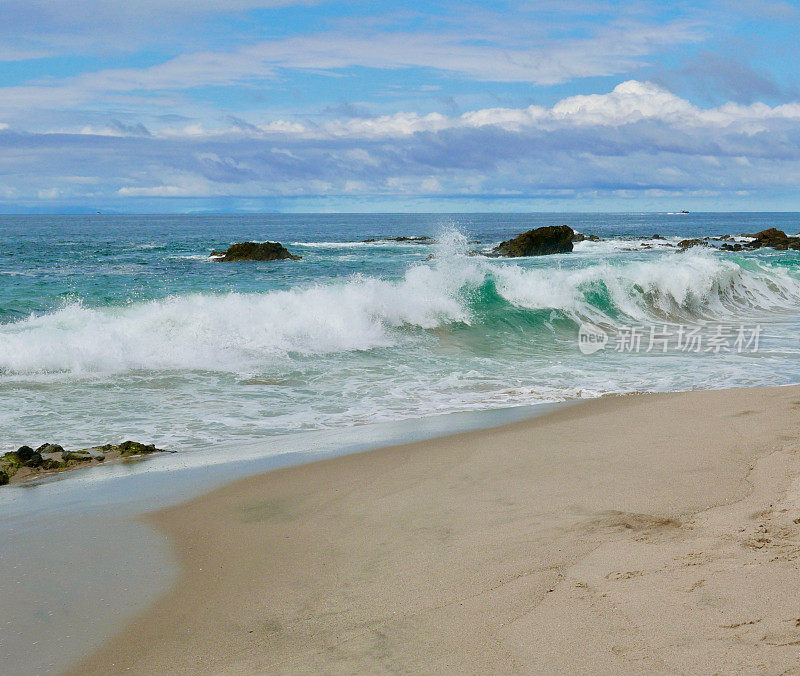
x=236 y=332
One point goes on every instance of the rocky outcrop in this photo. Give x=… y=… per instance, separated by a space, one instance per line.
x=412 y=240
x=130 y=448
x=25 y=464
x=550 y=239
x=580 y=237
x=774 y=239
x=254 y=251
x=687 y=243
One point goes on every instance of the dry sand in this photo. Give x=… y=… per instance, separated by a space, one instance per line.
x=638 y=534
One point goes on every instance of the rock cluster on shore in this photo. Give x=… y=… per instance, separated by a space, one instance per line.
x=26 y=463
x=254 y=251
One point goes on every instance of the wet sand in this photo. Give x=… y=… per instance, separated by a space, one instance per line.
x=646 y=533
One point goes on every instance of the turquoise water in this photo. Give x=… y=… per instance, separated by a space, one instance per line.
x=120 y=326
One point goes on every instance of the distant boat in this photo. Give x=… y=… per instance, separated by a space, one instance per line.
x=684 y=211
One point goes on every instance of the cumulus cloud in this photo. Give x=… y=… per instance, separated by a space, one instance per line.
x=628 y=103
x=638 y=139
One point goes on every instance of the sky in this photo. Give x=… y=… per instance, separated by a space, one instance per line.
x=277 y=105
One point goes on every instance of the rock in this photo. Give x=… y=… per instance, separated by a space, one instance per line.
x=686 y=243
x=732 y=247
x=50 y=448
x=414 y=240
x=34 y=461
x=773 y=238
x=24 y=453
x=255 y=251
x=132 y=448
x=550 y=239
x=768 y=235
x=580 y=237
x=656 y=236
x=52 y=457
x=80 y=456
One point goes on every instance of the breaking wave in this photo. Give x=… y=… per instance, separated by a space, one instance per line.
x=239 y=331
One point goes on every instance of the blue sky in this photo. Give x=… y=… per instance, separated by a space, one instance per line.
x=251 y=105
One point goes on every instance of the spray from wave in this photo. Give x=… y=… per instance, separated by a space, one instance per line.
x=237 y=332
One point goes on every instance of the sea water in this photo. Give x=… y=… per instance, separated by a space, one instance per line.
x=115 y=327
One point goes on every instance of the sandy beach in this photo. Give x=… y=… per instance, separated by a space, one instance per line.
x=654 y=533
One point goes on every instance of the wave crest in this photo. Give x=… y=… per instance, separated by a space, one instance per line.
x=237 y=332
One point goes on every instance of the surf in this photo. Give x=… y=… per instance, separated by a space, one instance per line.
x=453 y=292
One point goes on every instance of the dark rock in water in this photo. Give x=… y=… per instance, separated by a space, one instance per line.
x=24 y=453
x=732 y=247
x=656 y=236
x=773 y=238
x=580 y=237
x=255 y=251
x=768 y=235
x=686 y=243
x=414 y=240
x=550 y=239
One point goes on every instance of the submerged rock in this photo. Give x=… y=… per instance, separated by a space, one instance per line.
x=550 y=239
x=255 y=251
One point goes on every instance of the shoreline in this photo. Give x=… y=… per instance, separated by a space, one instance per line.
x=69 y=595
x=502 y=549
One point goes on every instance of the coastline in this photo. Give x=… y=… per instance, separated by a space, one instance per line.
x=633 y=533
x=69 y=593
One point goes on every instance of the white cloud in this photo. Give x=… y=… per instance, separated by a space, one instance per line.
x=610 y=50
x=637 y=139
x=629 y=102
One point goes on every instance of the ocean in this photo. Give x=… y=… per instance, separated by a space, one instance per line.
x=116 y=327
